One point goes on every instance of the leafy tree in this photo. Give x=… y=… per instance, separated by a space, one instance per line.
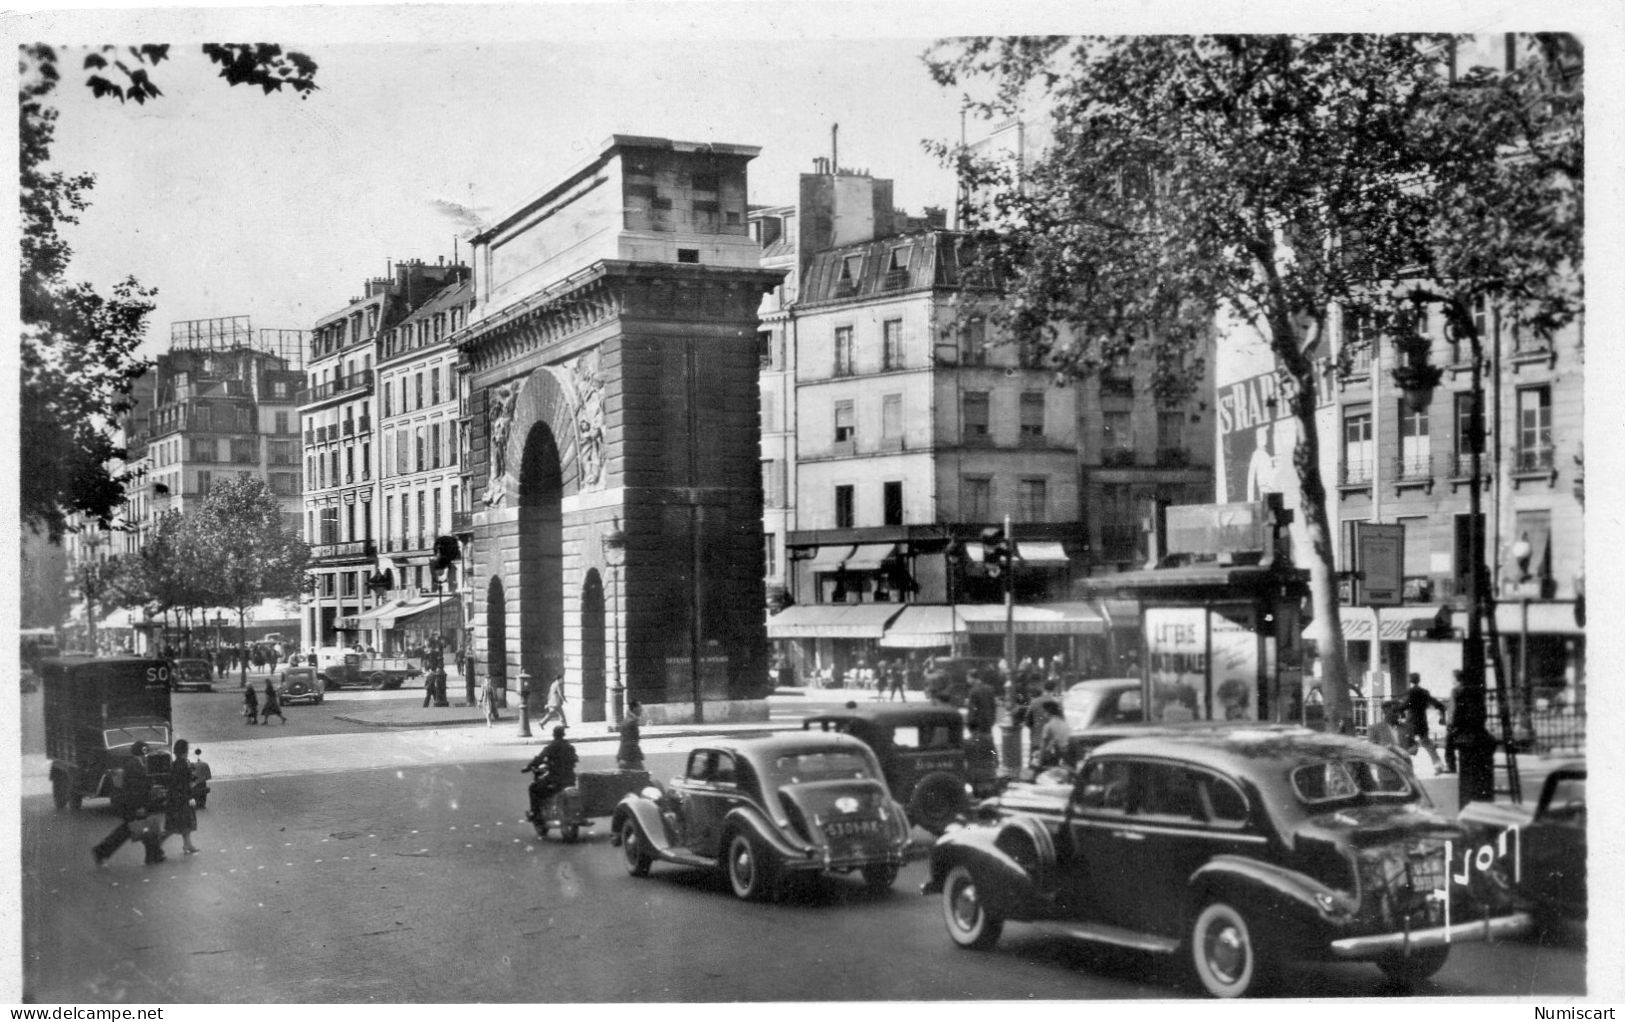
x=1267 y=179
x=78 y=346
x=244 y=553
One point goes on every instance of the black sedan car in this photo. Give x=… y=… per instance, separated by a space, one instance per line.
x=1547 y=842
x=1235 y=849
x=759 y=809
x=197 y=675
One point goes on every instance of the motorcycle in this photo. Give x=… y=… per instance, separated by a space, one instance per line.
x=563 y=809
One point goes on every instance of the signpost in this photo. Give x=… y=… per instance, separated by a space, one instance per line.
x=1379 y=552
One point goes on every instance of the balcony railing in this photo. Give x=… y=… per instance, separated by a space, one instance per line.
x=462 y=521
x=1534 y=459
x=1412 y=467
x=1462 y=466
x=349 y=427
x=1173 y=457
x=359 y=383
x=1356 y=473
x=355 y=550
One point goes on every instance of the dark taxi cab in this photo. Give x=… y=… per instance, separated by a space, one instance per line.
x=929 y=765
x=1235 y=849
x=760 y=809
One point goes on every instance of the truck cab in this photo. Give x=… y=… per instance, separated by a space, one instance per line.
x=96 y=709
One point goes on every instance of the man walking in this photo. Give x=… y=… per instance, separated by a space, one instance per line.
x=1418 y=701
x=555 y=702
x=132 y=794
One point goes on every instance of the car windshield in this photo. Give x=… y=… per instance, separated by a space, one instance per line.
x=826 y=765
x=1338 y=780
x=119 y=737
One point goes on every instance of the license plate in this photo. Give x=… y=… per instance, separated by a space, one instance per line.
x=852 y=828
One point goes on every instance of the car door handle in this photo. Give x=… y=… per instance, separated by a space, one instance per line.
x=1129 y=835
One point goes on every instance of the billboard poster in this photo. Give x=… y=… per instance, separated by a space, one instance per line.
x=1256 y=438
x=1176 y=648
x=1235 y=663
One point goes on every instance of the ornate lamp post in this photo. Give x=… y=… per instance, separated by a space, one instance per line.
x=524 y=704
x=1475 y=746
x=613 y=543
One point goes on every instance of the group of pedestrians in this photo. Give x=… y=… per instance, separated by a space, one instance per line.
x=186 y=788
x=1404 y=723
x=256 y=713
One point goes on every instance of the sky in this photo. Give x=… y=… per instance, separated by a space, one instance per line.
x=231 y=202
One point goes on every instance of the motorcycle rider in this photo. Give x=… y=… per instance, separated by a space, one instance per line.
x=557 y=763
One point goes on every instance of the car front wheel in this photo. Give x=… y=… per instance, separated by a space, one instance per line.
x=749 y=868
x=878 y=877
x=1415 y=967
x=637 y=859
x=1224 y=952
x=970 y=923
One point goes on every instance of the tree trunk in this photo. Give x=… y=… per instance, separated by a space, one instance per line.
x=242 y=643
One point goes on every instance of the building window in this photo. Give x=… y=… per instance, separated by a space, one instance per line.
x=389 y=523
x=764 y=349
x=417 y=436
x=423 y=523
x=843 y=351
x=1415 y=445
x=843 y=507
x=349 y=464
x=1116 y=433
x=434 y=380
x=1534 y=429
x=329 y=525
x=770 y=554
x=1464 y=434
x=891 y=418
x=891 y=503
x=891 y=352
x=851 y=268
x=406 y=522
x=366 y=519
x=773 y=494
x=973 y=342
x=1418 y=549
x=1119 y=530
x=1032 y=500
x=366 y=461
x=976 y=498
x=1032 y=414
x=899 y=259
x=1359 y=340
x=349 y=522
x=282 y=422
x=1171 y=429
x=439 y=525
x=321 y=471
x=975 y=413
x=203 y=480
x=1359 y=457
x=1535 y=529
x=769 y=407
x=203 y=450
x=434 y=445
x=846 y=429
x=402 y=453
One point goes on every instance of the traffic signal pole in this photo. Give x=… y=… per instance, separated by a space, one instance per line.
x=1009 y=567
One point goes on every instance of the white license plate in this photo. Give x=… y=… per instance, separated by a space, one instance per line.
x=852 y=828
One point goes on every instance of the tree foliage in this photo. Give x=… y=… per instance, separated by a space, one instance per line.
x=1271 y=179
x=78 y=355
x=242 y=551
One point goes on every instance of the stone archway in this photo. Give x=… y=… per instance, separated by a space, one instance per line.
x=592 y=647
x=496 y=637
x=541 y=559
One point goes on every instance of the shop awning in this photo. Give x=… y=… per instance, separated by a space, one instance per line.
x=1554 y=618
x=832 y=621
x=1396 y=621
x=828 y=558
x=921 y=626
x=377 y=617
x=1041 y=554
x=869 y=556
x=1050 y=619
x=427 y=611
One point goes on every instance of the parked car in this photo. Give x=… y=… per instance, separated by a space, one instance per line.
x=1235 y=848
x=922 y=749
x=300 y=685
x=1548 y=840
x=761 y=809
x=1101 y=701
x=191 y=674
x=96 y=709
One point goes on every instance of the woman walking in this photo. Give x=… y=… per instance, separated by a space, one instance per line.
x=488 y=701
x=630 y=754
x=272 y=705
x=179 y=816
x=251 y=705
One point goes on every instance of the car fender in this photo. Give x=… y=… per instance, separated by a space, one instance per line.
x=1293 y=901
x=752 y=819
x=650 y=822
x=1002 y=883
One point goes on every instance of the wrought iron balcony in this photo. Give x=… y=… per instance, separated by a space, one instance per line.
x=351 y=552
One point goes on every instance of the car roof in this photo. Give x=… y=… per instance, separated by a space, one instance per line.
x=1244 y=747
x=890 y=715
x=785 y=743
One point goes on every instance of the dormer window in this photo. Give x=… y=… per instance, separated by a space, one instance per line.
x=851 y=268
x=899 y=259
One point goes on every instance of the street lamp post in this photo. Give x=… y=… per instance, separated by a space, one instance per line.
x=1475 y=746
x=524 y=704
x=614 y=547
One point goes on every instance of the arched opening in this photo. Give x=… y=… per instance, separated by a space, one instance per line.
x=496 y=637
x=541 y=559
x=592 y=647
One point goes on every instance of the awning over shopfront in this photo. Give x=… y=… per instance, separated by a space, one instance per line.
x=378 y=617
x=920 y=627
x=1397 y=622
x=832 y=621
x=1548 y=618
x=828 y=558
x=869 y=556
x=1050 y=619
x=425 y=612
x=1040 y=554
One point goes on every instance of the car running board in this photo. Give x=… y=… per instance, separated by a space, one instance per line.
x=1104 y=934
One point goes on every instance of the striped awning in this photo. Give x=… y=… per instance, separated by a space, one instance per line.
x=869 y=556
x=832 y=621
x=1050 y=619
x=922 y=626
x=828 y=558
x=1396 y=622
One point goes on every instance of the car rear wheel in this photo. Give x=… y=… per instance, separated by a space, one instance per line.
x=59 y=792
x=1224 y=952
x=750 y=870
x=1415 y=967
x=970 y=923
x=637 y=859
x=878 y=877
x=378 y=680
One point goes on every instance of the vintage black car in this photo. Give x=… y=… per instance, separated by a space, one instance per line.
x=1548 y=843
x=300 y=685
x=760 y=809
x=192 y=674
x=929 y=765
x=1237 y=849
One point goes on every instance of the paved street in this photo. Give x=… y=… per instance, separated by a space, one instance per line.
x=381 y=865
